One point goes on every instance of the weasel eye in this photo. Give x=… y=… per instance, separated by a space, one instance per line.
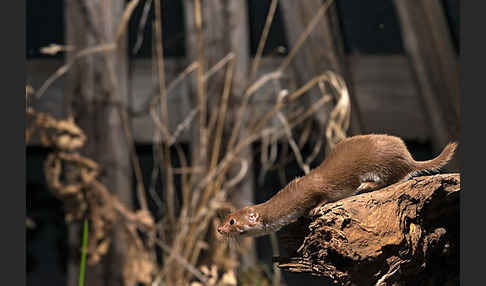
x=232 y=222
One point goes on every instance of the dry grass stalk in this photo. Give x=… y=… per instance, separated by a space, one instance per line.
x=293 y=145
x=190 y=69
x=74 y=179
x=105 y=49
x=65 y=68
x=113 y=84
x=219 y=128
x=127 y=13
x=203 y=211
x=263 y=39
x=53 y=49
x=202 y=198
x=310 y=27
x=201 y=95
x=141 y=26
x=276 y=253
x=170 y=194
x=340 y=116
x=182 y=261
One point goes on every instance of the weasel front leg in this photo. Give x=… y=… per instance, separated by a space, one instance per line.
x=370 y=182
x=315 y=210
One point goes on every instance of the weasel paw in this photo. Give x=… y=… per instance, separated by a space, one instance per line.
x=367 y=187
x=314 y=211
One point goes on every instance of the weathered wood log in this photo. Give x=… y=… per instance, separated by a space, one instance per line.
x=405 y=234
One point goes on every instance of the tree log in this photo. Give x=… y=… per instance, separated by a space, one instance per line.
x=405 y=234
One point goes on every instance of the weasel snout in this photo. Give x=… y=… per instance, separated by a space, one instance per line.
x=223 y=228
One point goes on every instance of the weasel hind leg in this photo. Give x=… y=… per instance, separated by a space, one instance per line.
x=370 y=182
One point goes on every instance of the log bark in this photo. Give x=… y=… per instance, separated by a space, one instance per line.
x=405 y=234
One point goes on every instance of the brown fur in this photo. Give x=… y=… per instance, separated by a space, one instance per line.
x=345 y=171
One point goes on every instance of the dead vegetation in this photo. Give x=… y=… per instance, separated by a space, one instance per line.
x=73 y=179
x=185 y=236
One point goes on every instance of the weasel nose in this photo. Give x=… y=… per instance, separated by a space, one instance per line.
x=221 y=229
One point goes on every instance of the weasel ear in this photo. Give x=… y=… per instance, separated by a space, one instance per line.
x=253 y=216
x=224 y=211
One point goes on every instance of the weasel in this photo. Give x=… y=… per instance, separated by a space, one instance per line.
x=357 y=164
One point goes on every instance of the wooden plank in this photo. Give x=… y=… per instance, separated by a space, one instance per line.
x=389 y=100
x=384 y=88
x=144 y=89
x=428 y=44
x=224 y=30
x=37 y=72
x=321 y=51
x=91 y=96
x=441 y=36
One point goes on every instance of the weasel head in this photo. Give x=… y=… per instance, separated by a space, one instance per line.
x=243 y=222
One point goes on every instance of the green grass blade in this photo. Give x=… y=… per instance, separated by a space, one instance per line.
x=83 y=253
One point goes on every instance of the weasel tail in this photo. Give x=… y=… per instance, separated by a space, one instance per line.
x=439 y=161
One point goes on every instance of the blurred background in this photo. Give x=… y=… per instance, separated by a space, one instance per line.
x=151 y=119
